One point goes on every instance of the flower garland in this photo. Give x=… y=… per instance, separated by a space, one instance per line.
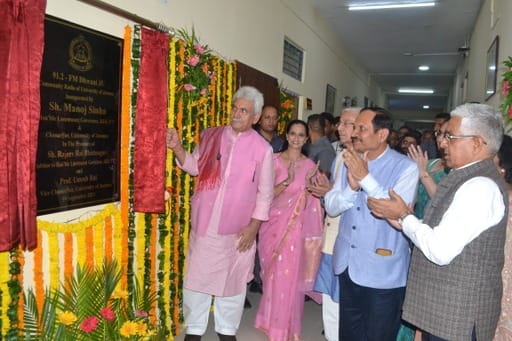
x=122 y=253
x=189 y=114
x=14 y=289
x=55 y=227
x=90 y=242
x=506 y=106
x=135 y=64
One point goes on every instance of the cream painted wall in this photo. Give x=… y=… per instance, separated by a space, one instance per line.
x=482 y=37
x=250 y=31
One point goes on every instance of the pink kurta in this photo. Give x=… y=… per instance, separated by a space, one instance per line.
x=288 y=259
x=213 y=265
x=504 y=329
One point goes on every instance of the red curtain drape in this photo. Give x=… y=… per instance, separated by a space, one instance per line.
x=21 y=52
x=150 y=124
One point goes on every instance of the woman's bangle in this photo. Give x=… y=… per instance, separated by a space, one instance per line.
x=426 y=175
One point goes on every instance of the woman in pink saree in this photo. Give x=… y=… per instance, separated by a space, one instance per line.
x=289 y=242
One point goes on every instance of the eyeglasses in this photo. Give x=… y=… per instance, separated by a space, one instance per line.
x=448 y=137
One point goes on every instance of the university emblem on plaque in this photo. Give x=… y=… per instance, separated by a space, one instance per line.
x=80 y=54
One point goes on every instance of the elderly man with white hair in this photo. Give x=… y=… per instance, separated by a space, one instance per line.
x=454 y=284
x=233 y=194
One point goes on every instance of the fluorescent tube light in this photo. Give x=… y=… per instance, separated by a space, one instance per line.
x=406 y=5
x=423 y=68
x=415 y=91
x=426 y=107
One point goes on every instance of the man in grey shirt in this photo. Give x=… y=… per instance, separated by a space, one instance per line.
x=319 y=148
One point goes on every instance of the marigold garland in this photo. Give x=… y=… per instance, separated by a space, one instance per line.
x=81 y=257
x=121 y=250
x=100 y=240
x=21 y=261
x=15 y=292
x=38 y=269
x=139 y=239
x=135 y=63
x=4 y=291
x=89 y=247
x=54 y=252
x=68 y=255
x=152 y=257
x=108 y=239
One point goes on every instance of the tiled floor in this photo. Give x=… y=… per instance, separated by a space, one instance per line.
x=311 y=323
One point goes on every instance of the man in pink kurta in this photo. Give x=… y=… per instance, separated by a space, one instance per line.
x=232 y=197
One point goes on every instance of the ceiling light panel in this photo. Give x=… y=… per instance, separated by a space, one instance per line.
x=374 y=6
x=415 y=91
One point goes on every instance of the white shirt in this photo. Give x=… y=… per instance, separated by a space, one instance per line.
x=477 y=205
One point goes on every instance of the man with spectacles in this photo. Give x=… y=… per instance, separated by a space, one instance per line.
x=454 y=284
x=327 y=282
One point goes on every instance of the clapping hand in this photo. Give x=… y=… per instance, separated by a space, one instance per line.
x=357 y=167
x=420 y=157
x=311 y=173
x=291 y=172
x=319 y=185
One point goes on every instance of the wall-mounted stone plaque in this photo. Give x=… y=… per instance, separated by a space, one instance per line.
x=78 y=150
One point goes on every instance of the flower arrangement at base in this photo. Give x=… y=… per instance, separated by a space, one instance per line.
x=506 y=106
x=91 y=306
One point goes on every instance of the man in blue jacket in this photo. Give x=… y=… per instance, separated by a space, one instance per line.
x=370 y=255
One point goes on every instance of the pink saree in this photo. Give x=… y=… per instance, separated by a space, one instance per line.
x=289 y=248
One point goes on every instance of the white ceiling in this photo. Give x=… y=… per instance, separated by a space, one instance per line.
x=431 y=36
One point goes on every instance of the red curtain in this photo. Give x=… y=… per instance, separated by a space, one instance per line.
x=150 y=124
x=21 y=52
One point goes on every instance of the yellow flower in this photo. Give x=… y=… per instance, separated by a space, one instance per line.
x=142 y=328
x=67 y=318
x=149 y=335
x=129 y=328
x=120 y=294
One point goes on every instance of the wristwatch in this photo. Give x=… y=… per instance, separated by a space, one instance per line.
x=400 y=219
